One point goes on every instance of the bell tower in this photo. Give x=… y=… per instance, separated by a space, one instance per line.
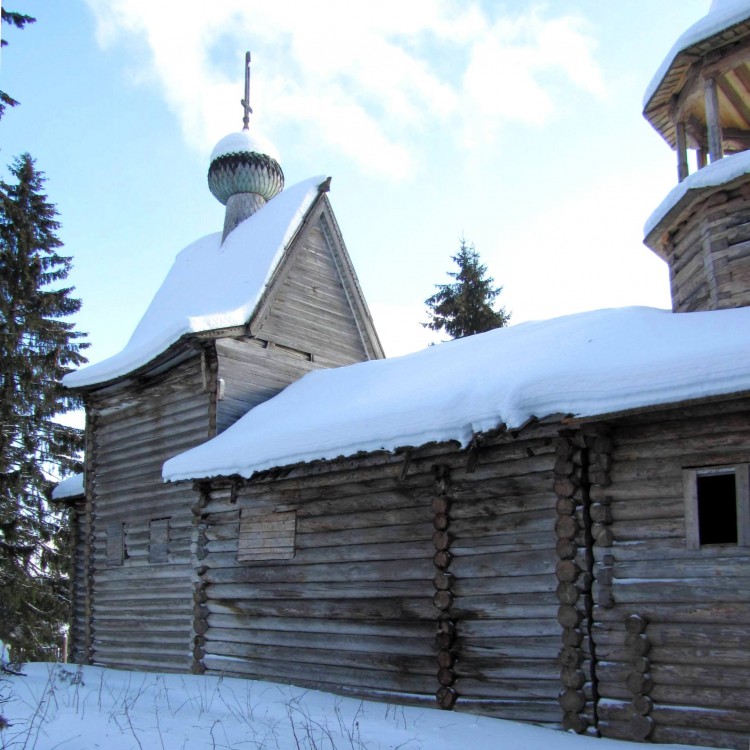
x=699 y=101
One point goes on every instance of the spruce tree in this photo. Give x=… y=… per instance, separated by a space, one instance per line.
x=37 y=347
x=19 y=20
x=465 y=306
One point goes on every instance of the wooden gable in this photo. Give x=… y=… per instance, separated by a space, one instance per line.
x=314 y=303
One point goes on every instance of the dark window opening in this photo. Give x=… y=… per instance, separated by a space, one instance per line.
x=717 y=508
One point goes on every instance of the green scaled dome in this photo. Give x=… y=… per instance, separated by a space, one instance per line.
x=241 y=163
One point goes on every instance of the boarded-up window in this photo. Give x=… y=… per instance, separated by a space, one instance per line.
x=717 y=505
x=158 y=540
x=115 y=544
x=267 y=537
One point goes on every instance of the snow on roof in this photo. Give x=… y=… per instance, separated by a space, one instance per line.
x=244 y=141
x=71 y=486
x=587 y=364
x=718 y=173
x=210 y=285
x=722 y=15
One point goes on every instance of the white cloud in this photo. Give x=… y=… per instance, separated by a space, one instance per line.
x=366 y=79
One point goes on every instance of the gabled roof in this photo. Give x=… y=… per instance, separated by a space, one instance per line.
x=210 y=286
x=584 y=365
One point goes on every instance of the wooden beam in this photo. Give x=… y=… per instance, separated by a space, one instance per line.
x=742 y=74
x=715 y=147
x=735 y=100
x=679 y=101
x=732 y=57
x=682 y=162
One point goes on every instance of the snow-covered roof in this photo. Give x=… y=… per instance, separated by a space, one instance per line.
x=244 y=141
x=718 y=173
x=210 y=285
x=722 y=15
x=71 y=486
x=584 y=365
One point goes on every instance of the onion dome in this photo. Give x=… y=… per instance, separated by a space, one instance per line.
x=244 y=163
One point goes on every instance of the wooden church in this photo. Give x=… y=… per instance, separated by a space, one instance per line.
x=565 y=540
x=241 y=315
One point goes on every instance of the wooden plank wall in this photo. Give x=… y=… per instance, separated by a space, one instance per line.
x=142 y=611
x=311 y=311
x=671 y=624
x=502 y=521
x=254 y=371
x=709 y=254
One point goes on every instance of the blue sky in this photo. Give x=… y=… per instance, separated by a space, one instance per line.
x=515 y=124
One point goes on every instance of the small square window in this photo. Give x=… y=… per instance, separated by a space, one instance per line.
x=717 y=506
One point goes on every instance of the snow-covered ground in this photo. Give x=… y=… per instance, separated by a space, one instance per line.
x=64 y=707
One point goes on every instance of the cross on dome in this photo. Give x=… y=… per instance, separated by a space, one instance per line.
x=246 y=101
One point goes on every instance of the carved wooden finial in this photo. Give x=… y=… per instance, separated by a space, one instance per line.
x=246 y=101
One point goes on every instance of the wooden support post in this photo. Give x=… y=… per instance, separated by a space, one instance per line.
x=713 y=122
x=682 y=162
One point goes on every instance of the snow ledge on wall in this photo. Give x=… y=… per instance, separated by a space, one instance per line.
x=71 y=486
x=719 y=173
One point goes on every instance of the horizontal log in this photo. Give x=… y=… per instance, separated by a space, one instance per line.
x=724 y=635
x=230 y=592
x=633 y=592
x=326 y=678
x=500 y=648
x=517 y=562
x=715 y=655
x=338 y=609
x=698 y=695
x=529 y=628
x=694 y=717
x=704 y=675
x=471 y=586
x=524 y=688
x=667 y=549
x=330 y=563
x=321 y=658
x=703 y=737
x=542 y=712
x=719 y=569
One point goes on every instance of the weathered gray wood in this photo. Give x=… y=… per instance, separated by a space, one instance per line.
x=713 y=122
x=682 y=162
x=134 y=436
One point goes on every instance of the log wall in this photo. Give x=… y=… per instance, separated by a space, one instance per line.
x=670 y=623
x=351 y=611
x=709 y=253
x=140 y=615
x=422 y=577
x=78 y=651
x=502 y=531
